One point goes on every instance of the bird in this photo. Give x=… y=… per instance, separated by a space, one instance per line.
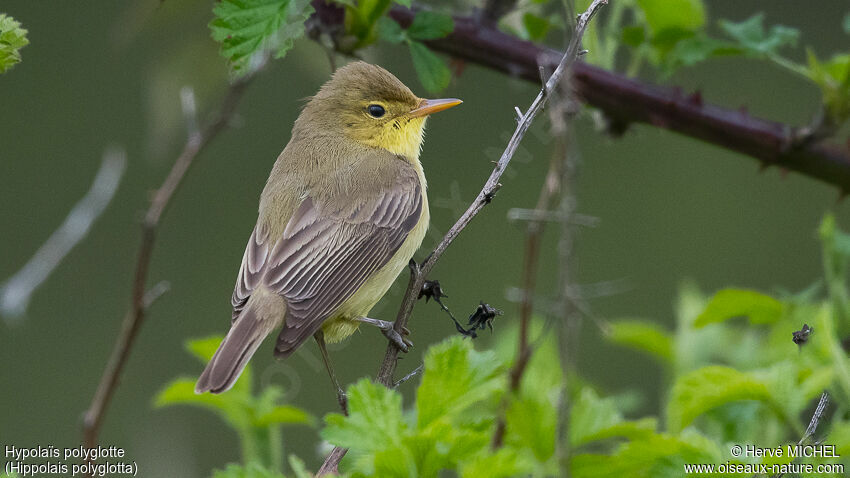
x=342 y=213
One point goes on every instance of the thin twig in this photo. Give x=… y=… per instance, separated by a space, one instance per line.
x=813 y=424
x=197 y=141
x=418 y=274
x=16 y=292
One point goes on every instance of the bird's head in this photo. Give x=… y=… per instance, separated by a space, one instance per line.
x=366 y=103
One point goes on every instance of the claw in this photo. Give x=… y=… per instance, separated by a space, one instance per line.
x=402 y=343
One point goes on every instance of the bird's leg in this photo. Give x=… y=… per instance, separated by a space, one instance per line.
x=389 y=332
x=340 y=394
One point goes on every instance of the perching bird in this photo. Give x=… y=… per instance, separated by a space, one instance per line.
x=341 y=215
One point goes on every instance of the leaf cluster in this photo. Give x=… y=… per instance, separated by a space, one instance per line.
x=12 y=39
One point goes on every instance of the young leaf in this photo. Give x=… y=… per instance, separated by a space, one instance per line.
x=245 y=27
x=710 y=387
x=729 y=303
x=536 y=27
x=252 y=470
x=374 y=420
x=456 y=378
x=429 y=25
x=284 y=414
x=590 y=414
x=661 y=15
x=12 y=39
x=644 y=336
x=690 y=51
x=750 y=34
x=433 y=73
x=390 y=31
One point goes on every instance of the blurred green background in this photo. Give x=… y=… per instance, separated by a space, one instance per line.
x=109 y=73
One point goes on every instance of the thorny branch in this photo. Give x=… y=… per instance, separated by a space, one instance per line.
x=419 y=273
x=625 y=101
x=196 y=142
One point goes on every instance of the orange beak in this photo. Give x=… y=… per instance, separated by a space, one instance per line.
x=427 y=107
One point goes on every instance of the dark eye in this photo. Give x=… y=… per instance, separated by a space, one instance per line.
x=376 y=111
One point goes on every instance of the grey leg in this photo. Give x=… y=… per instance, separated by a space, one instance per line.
x=389 y=332
x=340 y=394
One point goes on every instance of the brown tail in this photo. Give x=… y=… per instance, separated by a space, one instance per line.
x=246 y=334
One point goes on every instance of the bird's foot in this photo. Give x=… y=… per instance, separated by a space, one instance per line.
x=400 y=340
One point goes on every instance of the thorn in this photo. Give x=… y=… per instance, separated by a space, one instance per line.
x=696 y=98
x=582 y=52
x=519 y=114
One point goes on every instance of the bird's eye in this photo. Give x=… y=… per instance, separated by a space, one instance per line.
x=376 y=111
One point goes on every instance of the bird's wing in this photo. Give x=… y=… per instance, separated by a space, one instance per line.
x=327 y=252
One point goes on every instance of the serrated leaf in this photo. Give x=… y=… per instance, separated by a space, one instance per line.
x=390 y=31
x=661 y=15
x=658 y=456
x=590 y=414
x=246 y=27
x=432 y=72
x=456 y=377
x=12 y=39
x=696 y=49
x=374 y=420
x=252 y=470
x=751 y=35
x=429 y=25
x=503 y=463
x=729 y=303
x=284 y=414
x=645 y=336
x=707 y=388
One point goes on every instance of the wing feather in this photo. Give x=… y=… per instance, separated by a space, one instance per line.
x=326 y=253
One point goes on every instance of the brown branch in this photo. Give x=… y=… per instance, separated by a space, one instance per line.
x=197 y=141
x=419 y=273
x=626 y=101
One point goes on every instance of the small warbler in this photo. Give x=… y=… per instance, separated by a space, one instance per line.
x=342 y=213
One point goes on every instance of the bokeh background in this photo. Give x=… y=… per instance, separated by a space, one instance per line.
x=109 y=73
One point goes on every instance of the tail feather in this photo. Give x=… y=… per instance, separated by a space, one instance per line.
x=237 y=348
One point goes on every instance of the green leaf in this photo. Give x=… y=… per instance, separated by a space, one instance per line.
x=456 y=378
x=433 y=73
x=252 y=470
x=710 y=387
x=536 y=27
x=696 y=49
x=298 y=467
x=205 y=348
x=645 y=336
x=729 y=303
x=246 y=27
x=390 y=31
x=12 y=39
x=286 y=414
x=658 y=456
x=661 y=15
x=374 y=420
x=751 y=35
x=429 y=25
x=590 y=414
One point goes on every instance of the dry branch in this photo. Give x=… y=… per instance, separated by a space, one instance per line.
x=196 y=142
x=419 y=273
